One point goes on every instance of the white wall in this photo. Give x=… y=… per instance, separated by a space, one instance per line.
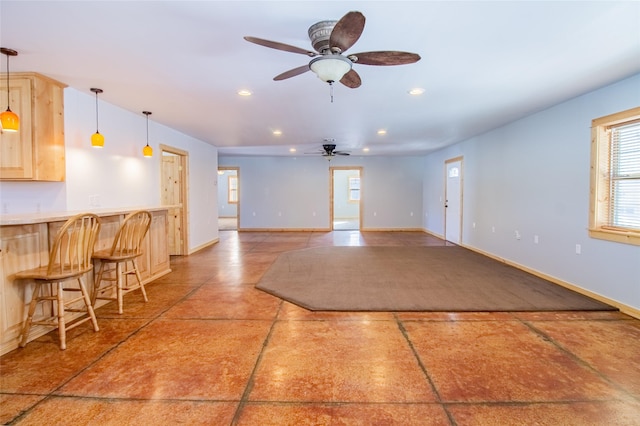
x=118 y=175
x=532 y=176
x=293 y=192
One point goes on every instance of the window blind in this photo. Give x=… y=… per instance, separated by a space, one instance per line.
x=625 y=176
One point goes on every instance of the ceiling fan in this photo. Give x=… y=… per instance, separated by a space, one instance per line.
x=329 y=151
x=331 y=39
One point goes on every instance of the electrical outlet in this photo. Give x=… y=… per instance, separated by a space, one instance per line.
x=536 y=240
x=517 y=235
x=493 y=229
x=578 y=249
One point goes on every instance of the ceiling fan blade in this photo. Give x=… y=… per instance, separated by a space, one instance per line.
x=390 y=57
x=347 y=31
x=351 y=79
x=279 y=46
x=292 y=73
x=341 y=153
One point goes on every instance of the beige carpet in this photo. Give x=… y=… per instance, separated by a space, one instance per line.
x=412 y=279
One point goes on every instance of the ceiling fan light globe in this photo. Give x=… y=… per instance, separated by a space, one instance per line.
x=330 y=68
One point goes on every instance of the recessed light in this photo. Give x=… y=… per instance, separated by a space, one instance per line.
x=244 y=92
x=292 y=150
x=416 y=91
x=382 y=132
x=277 y=132
x=365 y=149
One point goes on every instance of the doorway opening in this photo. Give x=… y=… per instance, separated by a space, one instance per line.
x=173 y=174
x=228 y=198
x=346 y=198
x=453 y=200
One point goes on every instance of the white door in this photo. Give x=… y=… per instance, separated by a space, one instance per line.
x=453 y=200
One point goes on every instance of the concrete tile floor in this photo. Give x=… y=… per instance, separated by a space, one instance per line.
x=210 y=349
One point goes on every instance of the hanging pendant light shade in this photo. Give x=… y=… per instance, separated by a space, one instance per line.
x=147 y=151
x=9 y=119
x=97 y=140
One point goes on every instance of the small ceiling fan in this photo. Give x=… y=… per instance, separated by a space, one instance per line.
x=329 y=151
x=331 y=39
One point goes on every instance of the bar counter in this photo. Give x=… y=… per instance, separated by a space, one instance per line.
x=24 y=244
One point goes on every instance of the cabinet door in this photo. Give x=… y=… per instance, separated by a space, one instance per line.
x=16 y=148
x=21 y=247
x=160 y=259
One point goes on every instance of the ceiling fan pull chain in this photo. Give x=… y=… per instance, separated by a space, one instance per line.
x=331 y=91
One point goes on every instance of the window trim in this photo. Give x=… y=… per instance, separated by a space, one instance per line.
x=599 y=192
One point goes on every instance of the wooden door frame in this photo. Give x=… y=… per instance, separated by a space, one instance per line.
x=360 y=171
x=184 y=190
x=237 y=170
x=446 y=177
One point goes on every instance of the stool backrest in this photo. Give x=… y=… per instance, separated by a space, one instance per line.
x=72 y=248
x=128 y=240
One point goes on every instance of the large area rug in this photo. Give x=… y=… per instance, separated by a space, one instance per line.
x=412 y=279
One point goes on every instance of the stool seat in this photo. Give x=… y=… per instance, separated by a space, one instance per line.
x=69 y=259
x=42 y=273
x=117 y=257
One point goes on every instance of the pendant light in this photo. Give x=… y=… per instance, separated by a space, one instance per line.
x=97 y=140
x=9 y=119
x=147 y=151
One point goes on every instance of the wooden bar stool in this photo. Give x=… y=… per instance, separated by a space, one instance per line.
x=69 y=259
x=126 y=247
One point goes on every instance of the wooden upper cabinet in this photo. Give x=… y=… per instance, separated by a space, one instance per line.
x=36 y=151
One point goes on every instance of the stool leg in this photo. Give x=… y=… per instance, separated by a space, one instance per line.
x=62 y=328
x=119 y=291
x=87 y=301
x=96 y=284
x=139 y=278
x=32 y=308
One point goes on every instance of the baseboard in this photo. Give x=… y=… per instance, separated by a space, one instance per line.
x=284 y=230
x=391 y=229
x=203 y=246
x=327 y=230
x=426 y=231
x=626 y=309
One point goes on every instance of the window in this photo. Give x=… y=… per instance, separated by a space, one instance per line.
x=615 y=177
x=354 y=189
x=232 y=192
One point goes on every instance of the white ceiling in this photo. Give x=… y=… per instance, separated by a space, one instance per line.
x=483 y=65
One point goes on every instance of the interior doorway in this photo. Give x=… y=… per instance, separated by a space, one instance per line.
x=228 y=198
x=174 y=172
x=453 y=200
x=346 y=198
